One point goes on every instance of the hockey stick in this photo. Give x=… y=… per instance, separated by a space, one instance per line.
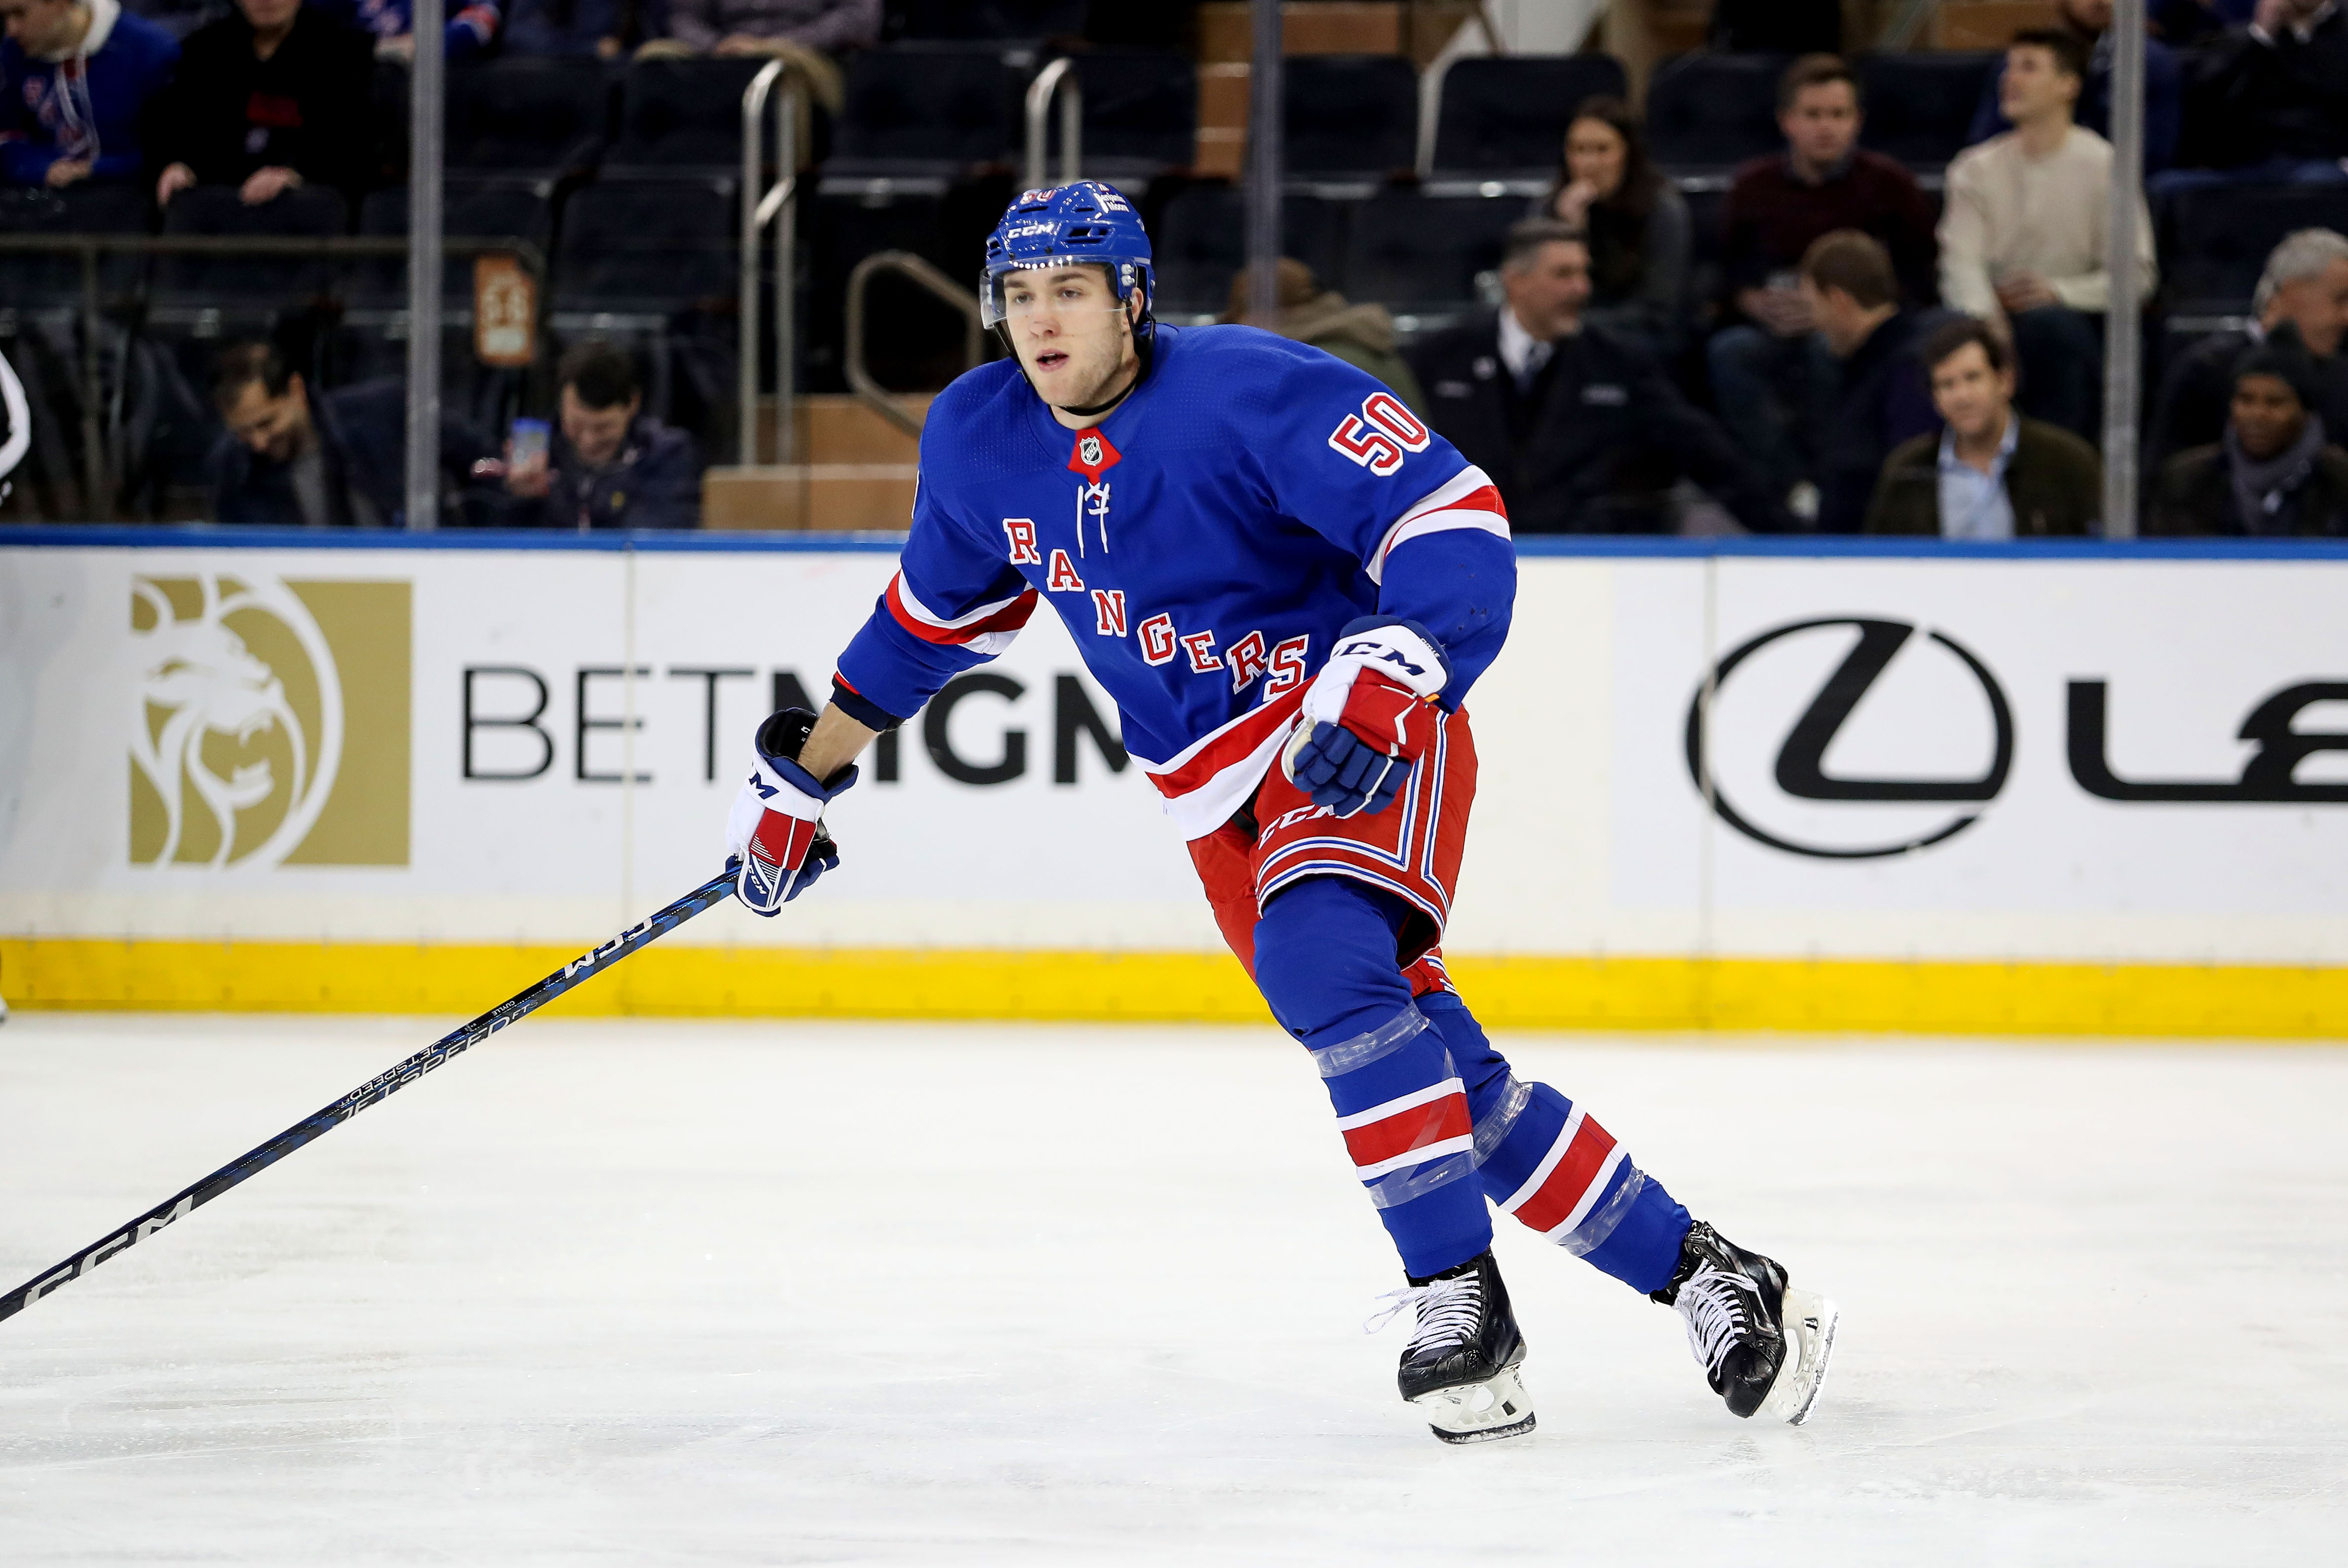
x=713 y=892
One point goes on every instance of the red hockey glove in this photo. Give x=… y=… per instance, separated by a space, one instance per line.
x=1367 y=716
x=774 y=832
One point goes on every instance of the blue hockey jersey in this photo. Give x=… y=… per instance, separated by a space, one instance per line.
x=1204 y=544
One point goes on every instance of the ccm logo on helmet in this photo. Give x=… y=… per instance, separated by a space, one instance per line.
x=1379 y=436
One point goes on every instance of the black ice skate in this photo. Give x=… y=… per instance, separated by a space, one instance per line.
x=1763 y=1347
x=1460 y=1366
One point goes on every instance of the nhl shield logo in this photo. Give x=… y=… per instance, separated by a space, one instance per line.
x=1093 y=456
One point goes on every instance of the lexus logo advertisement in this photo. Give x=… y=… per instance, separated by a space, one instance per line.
x=1853 y=738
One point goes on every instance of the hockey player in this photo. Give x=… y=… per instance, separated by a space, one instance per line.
x=1288 y=585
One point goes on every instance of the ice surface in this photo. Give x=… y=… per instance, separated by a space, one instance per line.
x=795 y=1293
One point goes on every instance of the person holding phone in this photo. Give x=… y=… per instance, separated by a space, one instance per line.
x=609 y=464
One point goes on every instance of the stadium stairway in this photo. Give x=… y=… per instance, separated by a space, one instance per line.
x=855 y=471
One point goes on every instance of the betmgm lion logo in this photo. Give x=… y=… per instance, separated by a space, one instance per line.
x=272 y=724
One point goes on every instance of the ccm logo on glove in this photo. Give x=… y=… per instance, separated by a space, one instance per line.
x=1367 y=716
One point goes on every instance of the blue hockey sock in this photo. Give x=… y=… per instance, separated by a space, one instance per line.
x=1324 y=959
x=1551 y=1165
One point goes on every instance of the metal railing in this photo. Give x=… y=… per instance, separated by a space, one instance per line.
x=915 y=269
x=777 y=204
x=1057 y=79
x=90 y=247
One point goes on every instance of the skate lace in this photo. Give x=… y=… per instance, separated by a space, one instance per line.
x=1448 y=1311
x=1716 y=1315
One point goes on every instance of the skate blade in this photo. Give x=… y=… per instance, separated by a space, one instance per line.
x=1811 y=1321
x=1479 y=1412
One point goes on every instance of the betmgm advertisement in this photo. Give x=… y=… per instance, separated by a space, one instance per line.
x=1707 y=782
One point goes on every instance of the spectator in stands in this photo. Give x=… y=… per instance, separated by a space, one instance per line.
x=2022 y=239
x=1363 y=336
x=294 y=459
x=2090 y=22
x=1772 y=378
x=2274 y=472
x=1578 y=426
x=604 y=30
x=2274 y=104
x=75 y=78
x=756 y=27
x=1880 y=397
x=273 y=95
x=1635 y=220
x=1989 y=473
x=2302 y=293
x=611 y=465
x=390 y=23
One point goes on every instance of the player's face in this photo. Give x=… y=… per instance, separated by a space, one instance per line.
x=1072 y=336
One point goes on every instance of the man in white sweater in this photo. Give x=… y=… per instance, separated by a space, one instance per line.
x=2022 y=237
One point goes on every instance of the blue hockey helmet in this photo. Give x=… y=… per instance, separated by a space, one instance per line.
x=1084 y=221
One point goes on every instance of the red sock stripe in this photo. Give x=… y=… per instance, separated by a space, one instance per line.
x=1436 y=1121
x=1554 y=1202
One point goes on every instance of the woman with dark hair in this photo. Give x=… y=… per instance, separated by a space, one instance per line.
x=1637 y=224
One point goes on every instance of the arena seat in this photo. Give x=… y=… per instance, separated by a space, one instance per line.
x=1418 y=254
x=995 y=20
x=1504 y=115
x=537 y=116
x=653 y=246
x=1708 y=113
x=1921 y=106
x=521 y=208
x=1141 y=112
x=1200 y=243
x=929 y=110
x=2219 y=237
x=681 y=117
x=39 y=281
x=207 y=282
x=1349 y=116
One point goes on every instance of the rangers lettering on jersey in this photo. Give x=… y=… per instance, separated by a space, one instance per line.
x=1246 y=534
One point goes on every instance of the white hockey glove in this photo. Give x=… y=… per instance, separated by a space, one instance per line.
x=774 y=832
x=1368 y=717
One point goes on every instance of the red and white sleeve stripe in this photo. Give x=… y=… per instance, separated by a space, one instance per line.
x=1469 y=499
x=1567 y=1184
x=986 y=630
x=1409 y=1130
